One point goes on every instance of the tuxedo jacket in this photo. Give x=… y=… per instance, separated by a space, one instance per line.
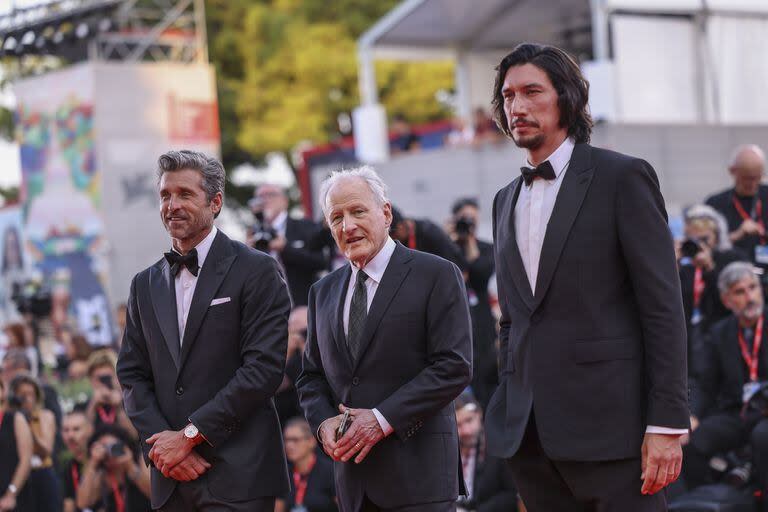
x=415 y=358
x=223 y=376
x=724 y=372
x=597 y=351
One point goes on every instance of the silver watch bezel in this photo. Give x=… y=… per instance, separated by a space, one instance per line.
x=191 y=431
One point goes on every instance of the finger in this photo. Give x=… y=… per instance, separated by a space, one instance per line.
x=363 y=453
x=352 y=451
x=177 y=474
x=349 y=438
x=658 y=482
x=202 y=461
x=165 y=470
x=342 y=408
x=197 y=466
x=153 y=438
x=649 y=477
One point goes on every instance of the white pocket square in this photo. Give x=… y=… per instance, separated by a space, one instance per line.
x=223 y=300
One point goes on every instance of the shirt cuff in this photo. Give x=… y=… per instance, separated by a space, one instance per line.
x=383 y=423
x=651 y=429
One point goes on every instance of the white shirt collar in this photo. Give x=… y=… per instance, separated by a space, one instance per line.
x=376 y=267
x=560 y=157
x=204 y=246
x=279 y=223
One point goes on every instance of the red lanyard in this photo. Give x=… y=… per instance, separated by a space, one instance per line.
x=300 y=482
x=698 y=287
x=119 y=500
x=745 y=216
x=411 y=237
x=107 y=417
x=752 y=360
x=75 y=476
x=2 y=417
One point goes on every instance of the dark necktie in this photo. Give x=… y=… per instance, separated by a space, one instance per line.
x=177 y=261
x=358 y=312
x=543 y=170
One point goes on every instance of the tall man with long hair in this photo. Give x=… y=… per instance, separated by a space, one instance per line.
x=592 y=399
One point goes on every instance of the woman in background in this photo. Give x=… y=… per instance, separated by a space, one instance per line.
x=15 y=457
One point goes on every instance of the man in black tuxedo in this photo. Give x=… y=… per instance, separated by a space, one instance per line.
x=295 y=243
x=389 y=340
x=203 y=353
x=735 y=357
x=592 y=392
x=745 y=206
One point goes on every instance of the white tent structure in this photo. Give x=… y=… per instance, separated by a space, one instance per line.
x=648 y=61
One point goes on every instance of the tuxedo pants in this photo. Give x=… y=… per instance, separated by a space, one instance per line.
x=195 y=495
x=443 y=506
x=547 y=485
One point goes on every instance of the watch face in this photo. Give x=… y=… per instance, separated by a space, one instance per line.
x=190 y=431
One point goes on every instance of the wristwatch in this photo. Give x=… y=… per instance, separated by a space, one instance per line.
x=191 y=432
x=13 y=489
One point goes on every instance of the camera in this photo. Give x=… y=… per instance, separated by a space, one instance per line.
x=31 y=297
x=107 y=381
x=263 y=233
x=115 y=450
x=464 y=226
x=690 y=248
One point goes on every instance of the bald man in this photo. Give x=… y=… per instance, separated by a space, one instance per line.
x=745 y=206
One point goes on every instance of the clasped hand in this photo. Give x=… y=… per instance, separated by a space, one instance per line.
x=363 y=434
x=174 y=457
x=662 y=459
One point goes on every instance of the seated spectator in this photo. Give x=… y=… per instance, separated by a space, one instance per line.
x=735 y=358
x=106 y=404
x=15 y=457
x=488 y=480
x=313 y=488
x=745 y=205
x=404 y=139
x=480 y=267
x=44 y=495
x=286 y=398
x=76 y=430
x=114 y=478
x=424 y=235
x=702 y=255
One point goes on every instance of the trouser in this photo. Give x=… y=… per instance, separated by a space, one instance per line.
x=195 y=495
x=442 y=506
x=547 y=485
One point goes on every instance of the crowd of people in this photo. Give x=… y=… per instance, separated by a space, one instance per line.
x=66 y=442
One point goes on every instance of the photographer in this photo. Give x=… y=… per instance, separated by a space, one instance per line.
x=702 y=255
x=106 y=405
x=293 y=242
x=736 y=361
x=480 y=267
x=76 y=430
x=113 y=479
x=44 y=493
x=426 y=236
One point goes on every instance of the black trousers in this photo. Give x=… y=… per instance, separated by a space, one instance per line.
x=195 y=496
x=547 y=485
x=443 y=506
x=719 y=434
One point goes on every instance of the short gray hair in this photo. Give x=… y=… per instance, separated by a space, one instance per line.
x=733 y=273
x=212 y=170
x=366 y=172
x=706 y=212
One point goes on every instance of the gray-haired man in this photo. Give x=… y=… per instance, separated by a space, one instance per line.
x=203 y=353
x=389 y=340
x=734 y=361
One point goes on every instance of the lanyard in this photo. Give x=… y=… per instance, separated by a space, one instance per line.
x=107 y=417
x=300 y=482
x=119 y=500
x=698 y=287
x=2 y=417
x=75 y=476
x=745 y=216
x=412 y=237
x=752 y=360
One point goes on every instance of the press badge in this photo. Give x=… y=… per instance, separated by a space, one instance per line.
x=696 y=317
x=750 y=388
x=761 y=254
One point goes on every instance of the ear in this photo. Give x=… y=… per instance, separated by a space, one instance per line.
x=217 y=202
x=388 y=214
x=725 y=301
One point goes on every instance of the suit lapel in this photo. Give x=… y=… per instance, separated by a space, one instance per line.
x=164 y=303
x=336 y=301
x=215 y=267
x=574 y=188
x=512 y=251
x=390 y=282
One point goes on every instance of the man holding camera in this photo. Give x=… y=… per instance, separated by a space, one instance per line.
x=480 y=267
x=736 y=362
x=106 y=404
x=293 y=242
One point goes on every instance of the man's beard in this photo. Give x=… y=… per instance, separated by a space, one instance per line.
x=752 y=311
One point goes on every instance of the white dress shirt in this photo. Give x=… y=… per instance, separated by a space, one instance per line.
x=532 y=213
x=375 y=271
x=186 y=282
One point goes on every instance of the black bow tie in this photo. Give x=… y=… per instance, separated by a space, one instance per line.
x=544 y=170
x=177 y=261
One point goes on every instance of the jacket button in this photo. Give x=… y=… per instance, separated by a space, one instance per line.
x=355 y=381
x=179 y=390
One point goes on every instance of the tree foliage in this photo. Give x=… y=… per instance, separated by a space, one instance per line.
x=288 y=68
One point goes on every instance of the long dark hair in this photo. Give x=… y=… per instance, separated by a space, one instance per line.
x=571 y=86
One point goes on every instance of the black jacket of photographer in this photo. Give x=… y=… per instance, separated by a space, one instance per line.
x=724 y=372
x=723 y=203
